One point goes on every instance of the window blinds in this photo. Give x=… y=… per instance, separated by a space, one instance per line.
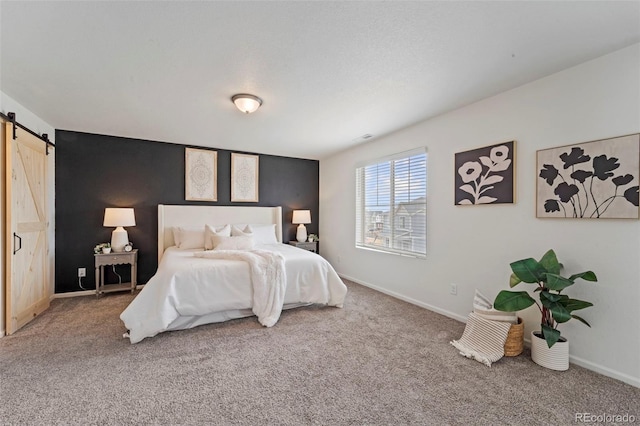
x=391 y=204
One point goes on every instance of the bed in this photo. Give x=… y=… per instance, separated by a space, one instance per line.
x=195 y=286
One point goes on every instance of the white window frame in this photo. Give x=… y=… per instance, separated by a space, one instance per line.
x=361 y=220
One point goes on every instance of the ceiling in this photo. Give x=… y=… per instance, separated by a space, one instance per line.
x=329 y=72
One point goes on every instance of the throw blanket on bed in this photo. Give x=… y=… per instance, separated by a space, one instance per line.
x=483 y=340
x=268 y=279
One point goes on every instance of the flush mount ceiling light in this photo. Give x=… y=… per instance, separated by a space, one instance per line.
x=246 y=103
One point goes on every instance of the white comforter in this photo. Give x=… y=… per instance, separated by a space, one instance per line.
x=188 y=291
x=268 y=280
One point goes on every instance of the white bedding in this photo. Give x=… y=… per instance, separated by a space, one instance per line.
x=268 y=279
x=188 y=291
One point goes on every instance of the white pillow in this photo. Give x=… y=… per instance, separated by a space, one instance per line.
x=264 y=234
x=176 y=236
x=232 y=243
x=237 y=232
x=210 y=231
x=186 y=238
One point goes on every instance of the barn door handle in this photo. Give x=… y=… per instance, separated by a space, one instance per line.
x=15 y=250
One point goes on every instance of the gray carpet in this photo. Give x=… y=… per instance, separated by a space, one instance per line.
x=378 y=361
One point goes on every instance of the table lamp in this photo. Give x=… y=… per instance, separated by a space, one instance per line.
x=300 y=218
x=119 y=217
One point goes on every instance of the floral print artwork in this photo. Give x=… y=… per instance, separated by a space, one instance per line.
x=591 y=180
x=485 y=175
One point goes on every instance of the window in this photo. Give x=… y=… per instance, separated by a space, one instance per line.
x=391 y=204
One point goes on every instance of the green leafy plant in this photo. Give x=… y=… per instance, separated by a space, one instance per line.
x=555 y=307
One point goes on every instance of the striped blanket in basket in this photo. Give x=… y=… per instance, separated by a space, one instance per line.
x=483 y=340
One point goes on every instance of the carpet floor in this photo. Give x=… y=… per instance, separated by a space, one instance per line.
x=377 y=361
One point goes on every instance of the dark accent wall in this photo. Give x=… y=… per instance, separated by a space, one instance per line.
x=98 y=171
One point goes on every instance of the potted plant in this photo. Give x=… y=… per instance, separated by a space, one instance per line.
x=102 y=248
x=556 y=308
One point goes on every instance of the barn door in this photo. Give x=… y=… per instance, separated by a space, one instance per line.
x=27 y=264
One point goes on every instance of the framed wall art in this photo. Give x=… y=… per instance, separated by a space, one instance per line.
x=200 y=180
x=486 y=175
x=590 y=180
x=244 y=178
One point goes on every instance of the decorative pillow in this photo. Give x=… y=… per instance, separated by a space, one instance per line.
x=264 y=234
x=483 y=307
x=232 y=243
x=210 y=231
x=186 y=238
x=237 y=232
x=176 y=236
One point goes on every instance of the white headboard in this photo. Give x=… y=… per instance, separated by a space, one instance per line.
x=197 y=216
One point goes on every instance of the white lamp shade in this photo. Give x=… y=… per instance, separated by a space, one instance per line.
x=301 y=216
x=247 y=103
x=119 y=217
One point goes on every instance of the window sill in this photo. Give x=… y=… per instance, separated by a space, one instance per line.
x=395 y=253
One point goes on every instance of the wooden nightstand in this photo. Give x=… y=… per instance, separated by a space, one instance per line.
x=120 y=258
x=306 y=245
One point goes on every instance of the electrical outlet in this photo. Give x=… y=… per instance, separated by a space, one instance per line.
x=82 y=272
x=453 y=289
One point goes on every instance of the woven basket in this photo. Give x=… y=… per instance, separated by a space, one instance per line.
x=515 y=339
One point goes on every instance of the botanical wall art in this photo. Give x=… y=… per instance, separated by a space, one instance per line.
x=244 y=178
x=200 y=180
x=485 y=175
x=590 y=180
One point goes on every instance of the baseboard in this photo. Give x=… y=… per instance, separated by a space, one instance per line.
x=73 y=294
x=633 y=381
x=82 y=293
x=435 y=309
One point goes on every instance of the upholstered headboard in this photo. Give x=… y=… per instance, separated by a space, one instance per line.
x=170 y=216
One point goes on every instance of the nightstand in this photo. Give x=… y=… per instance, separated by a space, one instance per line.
x=120 y=258
x=306 y=245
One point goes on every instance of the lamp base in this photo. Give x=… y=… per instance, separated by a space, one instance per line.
x=119 y=239
x=301 y=235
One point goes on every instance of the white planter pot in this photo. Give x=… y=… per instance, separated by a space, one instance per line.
x=555 y=357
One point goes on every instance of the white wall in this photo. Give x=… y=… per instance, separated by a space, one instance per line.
x=31 y=121
x=472 y=246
